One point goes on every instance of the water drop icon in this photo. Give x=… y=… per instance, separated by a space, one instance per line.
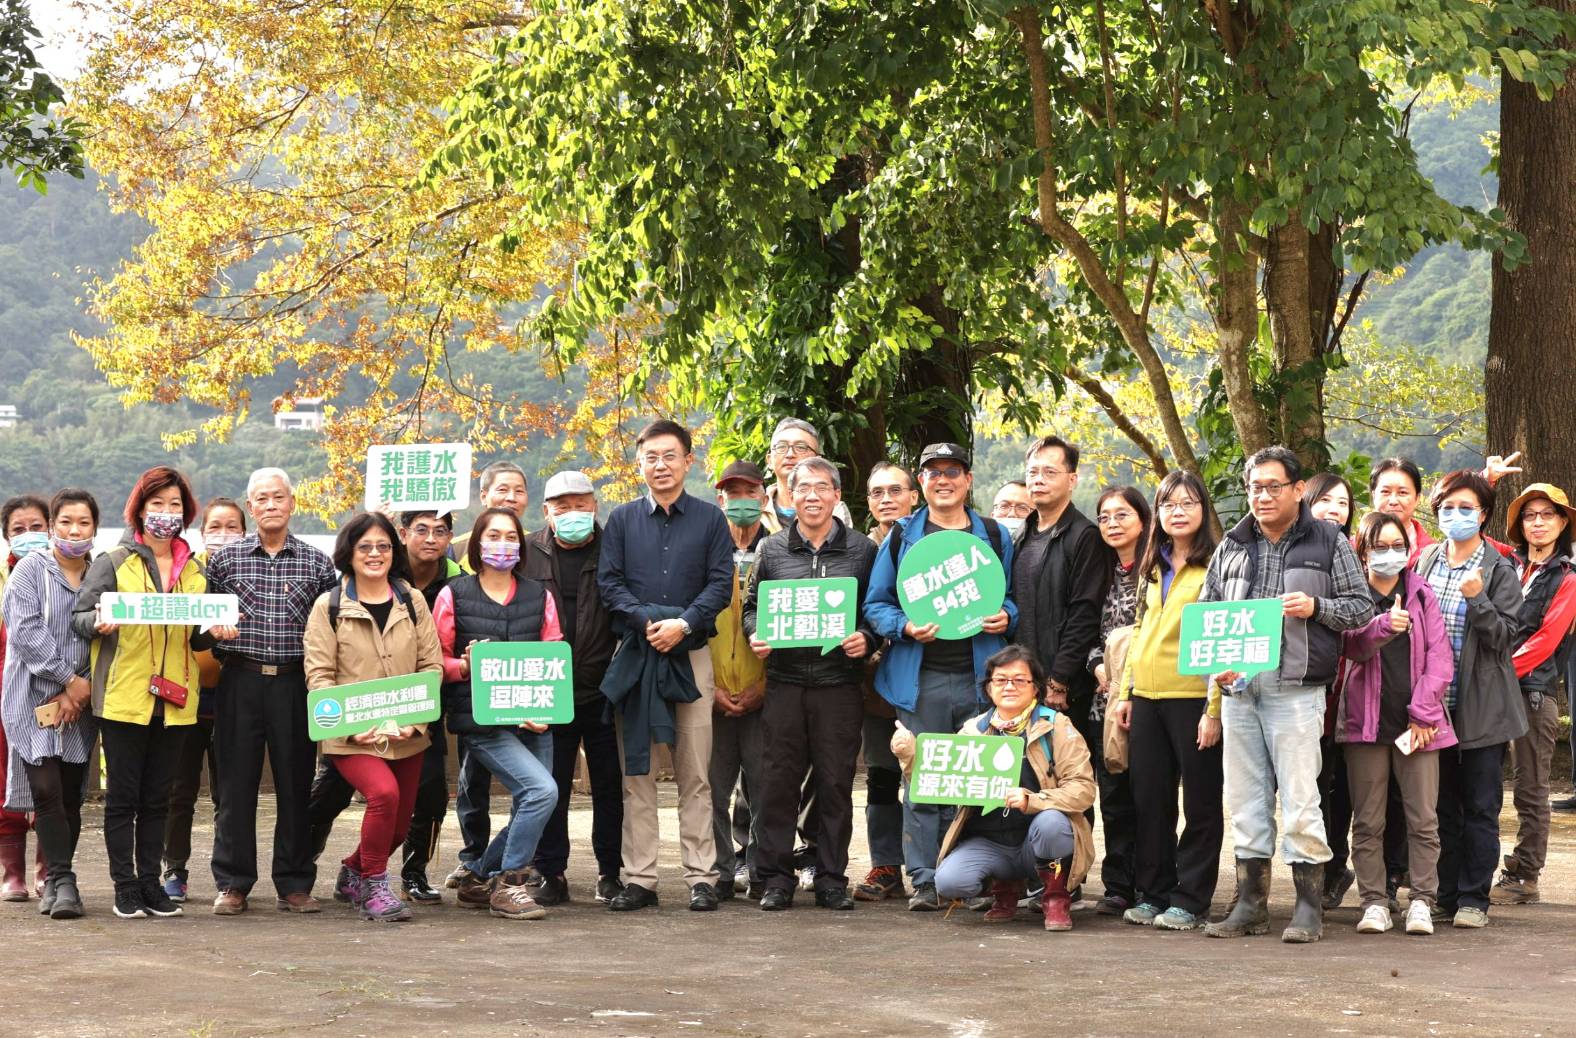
x=1003 y=758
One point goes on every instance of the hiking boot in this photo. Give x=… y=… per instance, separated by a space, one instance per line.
x=474 y=892
x=453 y=880
x=1004 y=901
x=379 y=904
x=554 y=890
x=1142 y=914
x=349 y=888
x=13 y=868
x=1250 y=913
x=1513 y=889
x=1307 y=918
x=1335 y=887
x=880 y=883
x=1056 y=901
x=156 y=901
x=1376 y=919
x=1175 y=918
x=511 y=898
x=925 y=899
x=1419 y=918
x=229 y=902
x=67 y=903
x=128 y=901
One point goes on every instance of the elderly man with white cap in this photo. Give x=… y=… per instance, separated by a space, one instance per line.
x=563 y=556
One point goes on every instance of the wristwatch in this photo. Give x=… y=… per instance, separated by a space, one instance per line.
x=685 y=624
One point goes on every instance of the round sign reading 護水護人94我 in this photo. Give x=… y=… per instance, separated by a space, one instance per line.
x=952 y=579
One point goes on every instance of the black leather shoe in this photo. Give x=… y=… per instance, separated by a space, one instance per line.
x=726 y=890
x=838 y=899
x=420 y=890
x=776 y=899
x=703 y=898
x=633 y=898
x=554 y=890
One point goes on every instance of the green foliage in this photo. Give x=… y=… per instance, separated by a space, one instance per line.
x=33 y=141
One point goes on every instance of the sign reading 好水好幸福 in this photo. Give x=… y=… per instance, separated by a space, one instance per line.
x=1244 y=637
x=965 y=769
x=346 y=710
x=203 y=611
x=419 y=477
x=796 y=613
x=952 y=579
x=519 y=682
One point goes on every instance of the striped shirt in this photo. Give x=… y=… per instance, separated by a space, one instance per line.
x=1446 y=579
x=42 y=654
x=276 y=594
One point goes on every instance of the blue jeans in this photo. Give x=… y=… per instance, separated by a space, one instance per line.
x=976 y=861
x=523 y=762
x=883 y=778
x=945 y=701
x=1271 y=733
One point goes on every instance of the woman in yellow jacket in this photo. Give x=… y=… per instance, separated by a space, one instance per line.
x=379 y=627
x=145 y=683
x=1173 y=720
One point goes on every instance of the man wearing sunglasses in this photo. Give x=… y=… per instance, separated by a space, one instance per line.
x=934 y=683
x=1273 y=723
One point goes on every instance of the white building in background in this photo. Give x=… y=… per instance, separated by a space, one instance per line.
x=9 y=419
x=307 y=416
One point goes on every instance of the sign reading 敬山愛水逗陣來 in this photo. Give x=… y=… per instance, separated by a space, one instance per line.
x=345 y=710
x=965 y=769
x=1244 y=637
x=419 y=477
x=519 y=682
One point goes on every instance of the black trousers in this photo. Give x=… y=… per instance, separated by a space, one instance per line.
x=1335 y=801
x=606 y=770
x=473 y=806
x=1471 y=792
x=1162 y=750
x=258 y=712
x=331 y=794
x=806 y=728
x=139 y=765
x=194 y=745
x=57 y=788
x=1118 y=813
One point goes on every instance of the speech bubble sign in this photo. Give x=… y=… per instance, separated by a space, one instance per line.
x=167 y=609
x=345 y=710
x=952 y=579
x=1241 y=636
x=418 y=477
x=792 y=614
x=975 y=770
x=519 y=682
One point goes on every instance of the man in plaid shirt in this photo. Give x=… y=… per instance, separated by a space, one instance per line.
x=262 y=699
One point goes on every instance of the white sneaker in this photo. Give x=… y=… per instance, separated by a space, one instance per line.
x=1419 y=918
x=1376 y=919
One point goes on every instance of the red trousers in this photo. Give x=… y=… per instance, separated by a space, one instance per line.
x=389 y=787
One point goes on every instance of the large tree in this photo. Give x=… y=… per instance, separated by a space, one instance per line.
x=1530 y=377
x=34 y=139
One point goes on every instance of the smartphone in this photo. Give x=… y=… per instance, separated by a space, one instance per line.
x=1403 y=743
x=48 y=715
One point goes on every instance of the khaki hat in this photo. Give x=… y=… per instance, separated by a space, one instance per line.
x=1548 y=491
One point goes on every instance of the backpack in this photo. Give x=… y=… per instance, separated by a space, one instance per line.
x=992 y=531
x=337 y=594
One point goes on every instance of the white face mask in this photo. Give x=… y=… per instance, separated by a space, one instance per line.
x=1011 y=525
x=1387 y=563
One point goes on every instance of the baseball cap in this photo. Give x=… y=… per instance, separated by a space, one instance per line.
x=570 y=481
x=745 y=470
x=945 y=452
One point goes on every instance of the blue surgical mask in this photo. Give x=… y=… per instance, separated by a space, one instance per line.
x=574 y=527
x=25 y=544
x=504 y=555
x=786 y=514
x=1011 y=524
x=1386 y=563
x=1459 y=524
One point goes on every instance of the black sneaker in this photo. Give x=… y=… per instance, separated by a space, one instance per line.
x=776 y=899
x=726 y=889
x=703 y=898
x=607 y=888
x=128 y=901
x=838 y=899
x=156 y=902
x=925 y=899
x=553 y=890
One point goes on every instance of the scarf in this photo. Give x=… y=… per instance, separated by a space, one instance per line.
x=1013 y=726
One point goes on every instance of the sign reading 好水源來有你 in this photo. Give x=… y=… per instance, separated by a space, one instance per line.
x=965 y=769
x=419 y=477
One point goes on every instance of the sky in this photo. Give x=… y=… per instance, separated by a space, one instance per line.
x=59 y=50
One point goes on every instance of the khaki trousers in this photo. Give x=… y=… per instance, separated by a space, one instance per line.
x=691 y=766
x=1368 y=769
x=1530 y=758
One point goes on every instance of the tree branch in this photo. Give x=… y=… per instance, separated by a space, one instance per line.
x=1095 y=388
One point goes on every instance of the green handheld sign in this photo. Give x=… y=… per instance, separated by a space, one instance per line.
x=795 y=613
x=965 y=769
x=1240 y=636
x=346 y=710
x=952 y=579
x=516 y=682
x=419 y=477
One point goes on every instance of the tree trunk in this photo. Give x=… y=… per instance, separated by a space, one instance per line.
x=1298 y=357
x=1529 y=381
x=1236 y=313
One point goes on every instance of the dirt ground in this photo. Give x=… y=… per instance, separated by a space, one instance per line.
x=875 y=971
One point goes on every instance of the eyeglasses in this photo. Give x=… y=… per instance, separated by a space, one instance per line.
x=1011 y=681
x=889 y=491
x=666 y=458
x=942 y=472
x=1115 y=518
x=375 y=548
x=1269 y=490
x=431 y=533
x=1046 y=471
x=793 y=450
x=1177 y=506
x=819 y=489
x=1528 y=515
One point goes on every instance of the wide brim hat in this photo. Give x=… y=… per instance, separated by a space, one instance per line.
x=1549 y=492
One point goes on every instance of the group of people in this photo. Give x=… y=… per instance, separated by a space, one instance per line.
x=1408 y=669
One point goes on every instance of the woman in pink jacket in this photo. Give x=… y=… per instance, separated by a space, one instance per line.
x=1398 y=668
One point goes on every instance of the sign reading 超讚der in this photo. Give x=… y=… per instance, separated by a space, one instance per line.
x=965 y=769
x=204 y=611
x=952 y=579
x=346 y=710
x=1244 y=637
x=516 y=682
x=796 y=613
x=419 y=477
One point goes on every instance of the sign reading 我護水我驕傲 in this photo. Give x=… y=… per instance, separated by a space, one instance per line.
x=419 y=477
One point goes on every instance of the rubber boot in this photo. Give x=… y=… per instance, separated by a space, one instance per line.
x=68 y=902
x=1005 y=905
x=415 y=856
x=13 y=868
x=1307 y=919
x=1056 y=902
x=1250 y=913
